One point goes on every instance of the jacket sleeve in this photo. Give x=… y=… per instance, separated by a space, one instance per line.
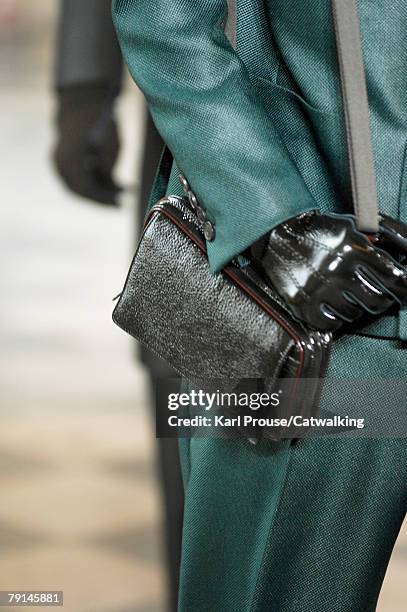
x=205 y=107
x=87 y=49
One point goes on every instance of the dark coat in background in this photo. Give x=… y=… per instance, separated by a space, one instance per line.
x=88 y=79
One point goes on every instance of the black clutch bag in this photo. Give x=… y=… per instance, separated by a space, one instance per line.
x=214 y=329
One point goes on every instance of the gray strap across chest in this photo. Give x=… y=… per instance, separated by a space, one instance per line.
x=230 y=28
x=357 y=117
x=356 y=108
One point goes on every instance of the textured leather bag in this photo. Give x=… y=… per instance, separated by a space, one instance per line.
x=229 y=326
x=232 y=326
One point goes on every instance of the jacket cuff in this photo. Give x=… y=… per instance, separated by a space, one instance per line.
x=235 y=235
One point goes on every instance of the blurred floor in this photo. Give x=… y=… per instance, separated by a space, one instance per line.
x=79 y=506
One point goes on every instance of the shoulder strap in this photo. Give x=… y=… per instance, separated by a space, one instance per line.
x=356 y=108
x=357 y=117
x=231 y=24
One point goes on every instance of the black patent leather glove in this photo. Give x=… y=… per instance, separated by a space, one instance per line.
x=329 y=273
x=87 y=142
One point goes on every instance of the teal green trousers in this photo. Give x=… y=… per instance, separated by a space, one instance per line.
x=307 y=527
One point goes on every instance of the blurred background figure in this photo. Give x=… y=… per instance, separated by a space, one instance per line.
x=88 y=80
x=80 y=505
x=80 y=508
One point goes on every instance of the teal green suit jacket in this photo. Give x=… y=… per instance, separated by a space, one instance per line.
x=258 y=129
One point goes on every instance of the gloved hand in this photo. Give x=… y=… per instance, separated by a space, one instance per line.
x=392 y=237
x=329 y=273
x=87 y=142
